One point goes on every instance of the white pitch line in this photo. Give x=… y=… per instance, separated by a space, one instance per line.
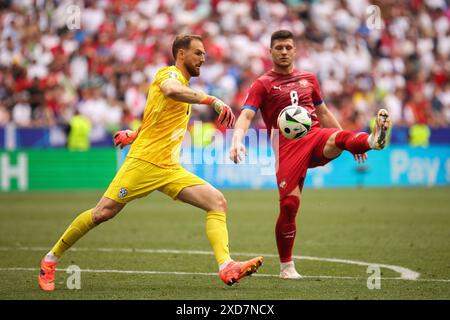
x=211 y=274
x=405 y=273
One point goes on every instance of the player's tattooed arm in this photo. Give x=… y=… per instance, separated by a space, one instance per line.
x=175 y=90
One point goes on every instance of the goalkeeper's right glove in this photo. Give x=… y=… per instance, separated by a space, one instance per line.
x=226 y=116
x=124 y=137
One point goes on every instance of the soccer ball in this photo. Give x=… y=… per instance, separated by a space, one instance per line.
x=294 y=122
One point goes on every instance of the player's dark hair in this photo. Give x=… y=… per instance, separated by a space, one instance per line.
x=280 y=35
x=183 y=41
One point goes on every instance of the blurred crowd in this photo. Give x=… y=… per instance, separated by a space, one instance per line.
x=59 y=58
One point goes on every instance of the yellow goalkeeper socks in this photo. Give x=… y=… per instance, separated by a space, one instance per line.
x=217 y=233
x=77 y=229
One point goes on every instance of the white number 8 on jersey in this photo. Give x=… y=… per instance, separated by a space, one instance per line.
x=294 y=98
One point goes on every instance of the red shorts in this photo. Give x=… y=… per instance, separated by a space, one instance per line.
x=296 y=156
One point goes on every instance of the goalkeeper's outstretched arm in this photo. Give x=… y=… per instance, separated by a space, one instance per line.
x=175 y=90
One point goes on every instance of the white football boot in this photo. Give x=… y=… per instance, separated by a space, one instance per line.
x=377 y=140
x=287 y=271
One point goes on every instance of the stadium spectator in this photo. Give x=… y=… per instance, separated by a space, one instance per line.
x=79 y=130
x=419 y=135
x=4 y=115
x=121 y=43
x=21 y=112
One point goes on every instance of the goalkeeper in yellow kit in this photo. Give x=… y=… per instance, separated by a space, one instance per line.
x=153 y=164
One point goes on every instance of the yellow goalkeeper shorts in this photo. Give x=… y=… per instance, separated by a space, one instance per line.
x=137 y=178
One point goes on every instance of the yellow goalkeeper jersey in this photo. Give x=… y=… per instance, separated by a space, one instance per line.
x=164 y=123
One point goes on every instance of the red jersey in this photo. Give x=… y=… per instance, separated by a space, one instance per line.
x=272 y=92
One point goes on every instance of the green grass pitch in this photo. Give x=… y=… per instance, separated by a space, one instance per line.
x=162 y=245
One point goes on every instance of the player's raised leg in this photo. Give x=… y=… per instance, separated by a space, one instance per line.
x=211 y=200
x=103 y=211
x=361 y=142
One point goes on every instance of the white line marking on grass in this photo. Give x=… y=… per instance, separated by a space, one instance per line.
x=211 y=274
x=405 y=273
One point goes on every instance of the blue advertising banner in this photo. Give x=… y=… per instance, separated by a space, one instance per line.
x=64 y=170
x=394 y=166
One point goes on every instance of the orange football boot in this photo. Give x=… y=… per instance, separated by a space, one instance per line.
x=47 y=275
x=236 y=270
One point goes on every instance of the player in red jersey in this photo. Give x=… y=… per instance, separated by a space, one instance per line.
x=276 y=89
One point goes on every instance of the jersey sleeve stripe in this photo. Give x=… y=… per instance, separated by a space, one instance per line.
x=250 y=107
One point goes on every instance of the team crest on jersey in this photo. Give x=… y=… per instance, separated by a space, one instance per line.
x=173 y=75
x=303 y=83
x=123 y=193
x=283 y=184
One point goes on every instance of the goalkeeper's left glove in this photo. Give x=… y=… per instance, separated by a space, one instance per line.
x=124 y=137
x=226 y=116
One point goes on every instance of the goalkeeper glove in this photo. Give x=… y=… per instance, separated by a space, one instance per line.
x=124 y=137
x=226 y=116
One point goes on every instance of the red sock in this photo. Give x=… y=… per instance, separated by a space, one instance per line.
x=285 y=229
x=356 y=143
